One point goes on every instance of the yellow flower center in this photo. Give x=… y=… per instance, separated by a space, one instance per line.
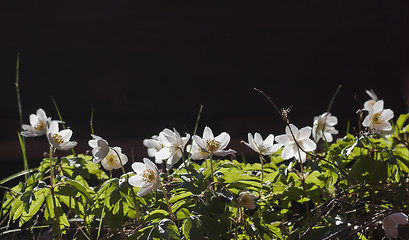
x=212 y=145
x=58 y=138
x=149 y=176
x=111 y=159
x=377 y=118
x=40 y=126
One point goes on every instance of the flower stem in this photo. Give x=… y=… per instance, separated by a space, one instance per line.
x=211 y=168
x=302 y=178
x=187 y=170
x=132 y=190
x=172 y=216
x=262 y=160
x=57 y=218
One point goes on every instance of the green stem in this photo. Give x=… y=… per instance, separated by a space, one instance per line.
x=22 y=139
x=211 y=168
x=185 y=164
x=57 y=217
x=302 y=178
x=132 y=190
x=62 y=121
x=91 y=122
x=172 y=216
x=333 y=98
x=262 y=160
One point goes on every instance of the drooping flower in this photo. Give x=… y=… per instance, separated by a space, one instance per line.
x=214 y=145
x=291 y=149
x=174 y=146
x=377 y=118
x=246 y=200
x=147 y=177
x=100 y=148
x=60 y=139
x=323 y=127
x=369 y=103
x=265 y=147
x=391 y=222
x=38 y=124
x=115 y=159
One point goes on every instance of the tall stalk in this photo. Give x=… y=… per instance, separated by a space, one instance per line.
x=57 y=219
x=22 y=139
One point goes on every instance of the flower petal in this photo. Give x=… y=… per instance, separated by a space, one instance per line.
x=68 y=145
x=308 y=145
x=207 y=134
x=378 y=106
x=199 y=141
x=305 y=133
x=387 y=114
x=223 y=139
x=284 y=139
x=288 y=152
x=53 y=127
x=164 y=153
x=138 y=167
x=332 y=120
x=258 y=139
x=150 y=165
x=269 y=141
x=136 y=181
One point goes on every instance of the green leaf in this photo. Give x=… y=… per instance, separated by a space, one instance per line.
x=187 y=225
x=183 y=214
x=156 y=215
x=167 y=229
x=401 y=121
x=17 y=209
x=192 y=228
x=67 y=195
x=35 y=205
x=52 y=212
x=27 y=197
x=16 y=175
x=180 y=196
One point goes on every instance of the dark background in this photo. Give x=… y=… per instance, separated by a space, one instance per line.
x=143 y=67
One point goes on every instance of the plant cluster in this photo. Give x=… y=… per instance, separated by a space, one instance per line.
x=308 y=184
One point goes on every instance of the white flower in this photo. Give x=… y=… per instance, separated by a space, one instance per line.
x=265 y=147
x=154 y=145
x=115 y=159
x=214 y=145
x=302 y=137
x=100 y=148
x=38 y=124
x=246 y=200
x=196 y=151
x=368 y=104
x=390 y=224
x=323 y=127
x=147 y=177
x=174 y=146
x=377 y=119
x=60 y=139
